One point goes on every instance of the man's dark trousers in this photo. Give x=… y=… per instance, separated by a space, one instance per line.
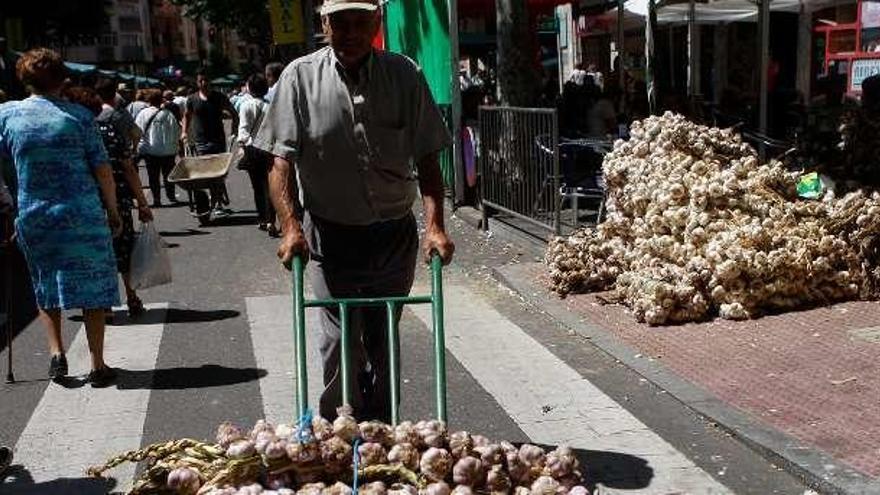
x=377 y=260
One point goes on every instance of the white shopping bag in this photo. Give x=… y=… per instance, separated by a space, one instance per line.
x=150 y=264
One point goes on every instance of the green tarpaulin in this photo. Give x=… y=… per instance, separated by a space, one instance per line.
x=420 y=30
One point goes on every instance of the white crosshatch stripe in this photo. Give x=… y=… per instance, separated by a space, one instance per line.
x=74 y=428
x=552 y=403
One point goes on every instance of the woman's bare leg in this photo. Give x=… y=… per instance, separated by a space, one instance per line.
x=51 y=319
x=94 y=320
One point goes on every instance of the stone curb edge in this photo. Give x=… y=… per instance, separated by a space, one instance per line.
x=819 y=470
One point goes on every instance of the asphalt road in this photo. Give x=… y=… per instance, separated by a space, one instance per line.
x=215 y=346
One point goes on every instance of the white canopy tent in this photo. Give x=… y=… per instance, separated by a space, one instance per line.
x=693 y=13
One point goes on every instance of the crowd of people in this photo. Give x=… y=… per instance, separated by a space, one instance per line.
x=70 y=186
x=337 y=146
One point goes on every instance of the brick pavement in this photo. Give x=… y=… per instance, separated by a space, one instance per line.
x=813 y=374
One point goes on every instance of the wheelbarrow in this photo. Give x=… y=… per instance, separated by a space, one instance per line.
x=198 y=174
x=391 y=304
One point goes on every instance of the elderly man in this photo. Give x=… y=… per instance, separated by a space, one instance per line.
x=362 y=131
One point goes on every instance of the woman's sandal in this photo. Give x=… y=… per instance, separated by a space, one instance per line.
x=135 y=307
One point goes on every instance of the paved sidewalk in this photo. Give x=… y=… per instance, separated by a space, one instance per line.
x=813 y=376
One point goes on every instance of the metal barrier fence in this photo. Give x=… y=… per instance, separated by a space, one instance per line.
x=519 y=164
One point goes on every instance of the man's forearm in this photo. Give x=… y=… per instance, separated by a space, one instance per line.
x=433 y=192
x=282 y=189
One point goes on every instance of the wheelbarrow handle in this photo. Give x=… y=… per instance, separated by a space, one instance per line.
x=392 y=304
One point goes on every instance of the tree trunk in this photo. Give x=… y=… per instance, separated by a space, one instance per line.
x=517 y=74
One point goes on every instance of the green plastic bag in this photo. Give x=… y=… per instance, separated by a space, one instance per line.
x=810 y=186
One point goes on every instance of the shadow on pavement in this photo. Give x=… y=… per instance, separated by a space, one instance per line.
x=196 y=316
x=207 y=376
x=183 y=233
x=614 y=470
x=611 y=469
x=18 y=480
x=234 y=220
x=167 y=316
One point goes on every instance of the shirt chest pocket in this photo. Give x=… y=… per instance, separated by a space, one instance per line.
x=391 y=150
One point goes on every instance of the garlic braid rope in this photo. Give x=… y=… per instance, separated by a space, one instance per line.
x=156 y=451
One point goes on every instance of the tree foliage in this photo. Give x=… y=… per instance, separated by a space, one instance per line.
x=249 y=17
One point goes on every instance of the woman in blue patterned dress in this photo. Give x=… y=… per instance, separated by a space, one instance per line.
x=62 y=227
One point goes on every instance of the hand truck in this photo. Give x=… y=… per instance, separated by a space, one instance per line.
x=391 y=304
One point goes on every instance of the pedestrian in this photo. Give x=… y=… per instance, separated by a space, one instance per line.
x=168 y=104
x=203 y=130
x=124 y=96
x=159 y=144
x=256 y=161
x=273 y=73
x=237 y=98
x=62 y=226
x=140 y=102
x=115 y=130
x=356 y=124
x=180 y=96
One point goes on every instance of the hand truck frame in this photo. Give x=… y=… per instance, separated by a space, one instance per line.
x=435 y=299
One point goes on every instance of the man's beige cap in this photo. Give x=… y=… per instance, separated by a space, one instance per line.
x=332 y=6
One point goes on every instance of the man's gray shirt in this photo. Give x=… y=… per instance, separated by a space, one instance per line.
x=354 y=145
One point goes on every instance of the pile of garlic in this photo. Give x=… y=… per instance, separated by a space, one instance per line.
x=408 y=459
x=697 y=226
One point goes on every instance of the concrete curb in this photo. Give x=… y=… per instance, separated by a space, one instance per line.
x=818 y=469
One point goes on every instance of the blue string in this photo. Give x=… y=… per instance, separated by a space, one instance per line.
x=304 y=432
x=354 y=483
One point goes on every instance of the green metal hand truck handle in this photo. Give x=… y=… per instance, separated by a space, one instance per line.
x=391 y=304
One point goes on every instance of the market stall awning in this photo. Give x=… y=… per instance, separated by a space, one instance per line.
x=80 y=68
x=721 y=11
x=484 y=7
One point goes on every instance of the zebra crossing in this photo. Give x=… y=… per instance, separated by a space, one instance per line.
x=540 y=397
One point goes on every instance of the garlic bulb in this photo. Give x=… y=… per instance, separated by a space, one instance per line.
x=241 y=449
x=490 y=454
x=497 y=480
x=321 y=428
x=336 y=454
x=345 y=427
x=436 y=488
x=467 y=471
x=374 y=488
x=279 y=481
x=697 y=226
x=303 y=453
x=376 y=432
x=227 y=433
x=263 y=439
x=372 y=454
x=561 y=463
x=311 y=489
x=404 y=454
x=431 y=433
x=544 y=485
x=184 y=480
x=405 y=432
x=436 y=463
x=463 y=490
x=252 y=489
x=339 y=488
x=261 y=426
x=402 y=489
x=276 y=449
x=460 y=444
x=578 y=490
